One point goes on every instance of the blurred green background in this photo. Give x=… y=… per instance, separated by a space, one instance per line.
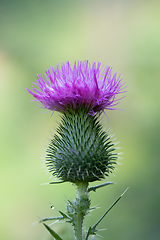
x=37 y=34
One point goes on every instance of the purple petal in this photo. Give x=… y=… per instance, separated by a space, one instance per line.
x=86 y=84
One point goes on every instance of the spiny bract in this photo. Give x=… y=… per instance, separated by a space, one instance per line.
x=80 y=150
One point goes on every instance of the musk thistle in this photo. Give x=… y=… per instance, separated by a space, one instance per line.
x=80 y=151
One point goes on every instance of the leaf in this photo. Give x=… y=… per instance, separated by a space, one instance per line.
x=99 y=186
x=50 y=219
x=94 y=227
x=88 y=233
x=53 y=233
x=64 y=215
x=56 y=182
x=93 y=230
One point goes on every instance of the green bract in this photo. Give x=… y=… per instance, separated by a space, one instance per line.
x=80 y=151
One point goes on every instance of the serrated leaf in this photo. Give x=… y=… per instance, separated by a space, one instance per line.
x=52 y=232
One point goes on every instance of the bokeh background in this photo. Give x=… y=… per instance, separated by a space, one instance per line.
x=37 y=34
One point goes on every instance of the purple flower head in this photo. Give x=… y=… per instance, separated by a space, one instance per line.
x=90 y=85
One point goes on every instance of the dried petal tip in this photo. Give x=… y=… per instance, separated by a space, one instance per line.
x=86 y=84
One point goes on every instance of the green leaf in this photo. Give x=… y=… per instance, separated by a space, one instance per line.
x=50 y=219
x=64 y=215
x=88 y=233
x=94 y=227
x=99 y=186
x=53 y=233
x=93 y=230
x=56 y=182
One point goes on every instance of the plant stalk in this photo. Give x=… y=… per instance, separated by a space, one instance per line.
x=81 y=209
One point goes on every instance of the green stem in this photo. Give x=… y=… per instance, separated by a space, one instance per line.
x=81 y=209
x=78 y=226
x=81 y=188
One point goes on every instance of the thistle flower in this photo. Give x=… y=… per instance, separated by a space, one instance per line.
x=80 y=151
x=85 y=84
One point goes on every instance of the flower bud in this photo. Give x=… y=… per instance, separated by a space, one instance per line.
x=80 y=151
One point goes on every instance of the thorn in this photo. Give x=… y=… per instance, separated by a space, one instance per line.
x=44 y=183
x=53 y=223
x=124 y=192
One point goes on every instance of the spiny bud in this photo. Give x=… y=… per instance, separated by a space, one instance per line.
x=80 y=151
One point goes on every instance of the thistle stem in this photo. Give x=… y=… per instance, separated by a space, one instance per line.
x=81 y=188
x=78 y=226
x=81 y=209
